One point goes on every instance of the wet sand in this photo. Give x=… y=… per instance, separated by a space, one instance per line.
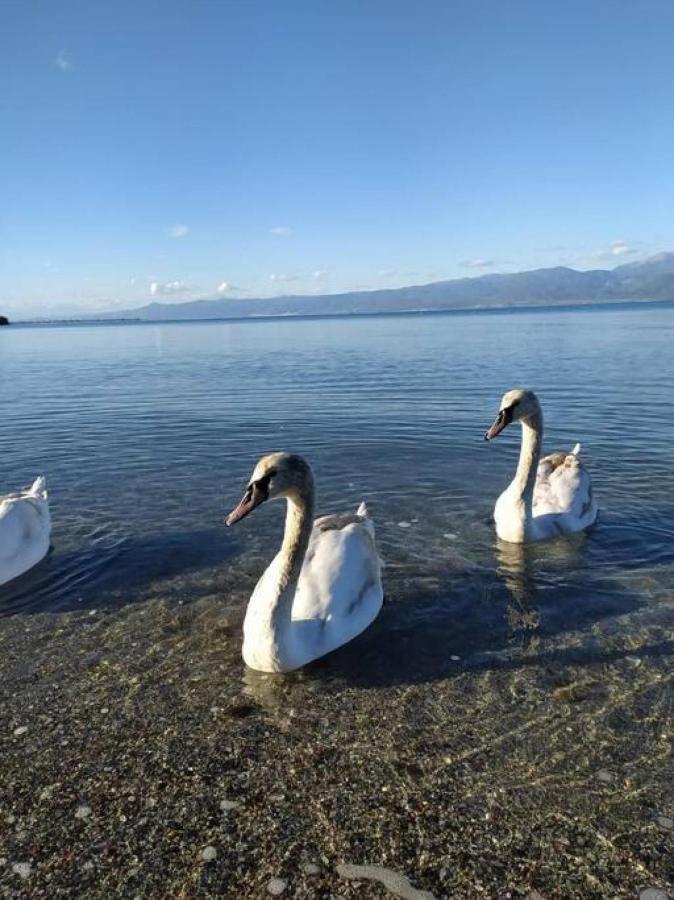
x=140 y=759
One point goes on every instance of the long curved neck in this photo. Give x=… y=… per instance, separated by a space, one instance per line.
x=299 y=522
x=530 y=451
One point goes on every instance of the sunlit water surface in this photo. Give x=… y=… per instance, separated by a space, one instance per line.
x=147 y=433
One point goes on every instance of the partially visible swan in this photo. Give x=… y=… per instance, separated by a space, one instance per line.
x=25 y=527
x=324 y=585
x=546 y=498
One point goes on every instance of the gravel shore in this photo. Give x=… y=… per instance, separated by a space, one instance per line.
x=141 y=759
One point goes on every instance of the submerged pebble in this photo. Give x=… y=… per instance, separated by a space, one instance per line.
x=605 y=776
x=404 y=524
x=312 y=869
x=83 y=811
x=665 y=822
x=652 y=893
x=22 y=729
x=22 y=869
x=228 y=805
x=277 y=886
x=393 y=881
x=208 y=854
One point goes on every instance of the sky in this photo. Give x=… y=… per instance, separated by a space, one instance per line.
x=201 y=148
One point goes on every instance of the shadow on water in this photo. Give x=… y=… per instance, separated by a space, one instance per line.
x=113 y=571
x=435 y=628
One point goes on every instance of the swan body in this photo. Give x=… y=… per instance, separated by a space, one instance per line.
x=548 y=497
x=322 y=588
x=25 y=527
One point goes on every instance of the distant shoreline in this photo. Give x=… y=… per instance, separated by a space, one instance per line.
x=587 y=306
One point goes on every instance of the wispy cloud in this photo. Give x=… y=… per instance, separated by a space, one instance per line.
x=319 y=274
x=168 y=288
x=476 y=263
x=386 y=273
x=617 y=249
x=281 y=230
x=283 y=276
x=62 y=62
x=178 y=231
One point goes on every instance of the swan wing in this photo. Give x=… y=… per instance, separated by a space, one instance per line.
x=564 y=487
x=340 y=580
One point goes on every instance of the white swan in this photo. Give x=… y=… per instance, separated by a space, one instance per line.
x=546 y=498
x=25 y=527
x=324 y=585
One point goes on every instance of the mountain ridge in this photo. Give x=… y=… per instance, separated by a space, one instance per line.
x=649 y=279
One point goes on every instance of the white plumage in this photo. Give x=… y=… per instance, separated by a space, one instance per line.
x=547 y=497
x=323 y=587
x=25 y=527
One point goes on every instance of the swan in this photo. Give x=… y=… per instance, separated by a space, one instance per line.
x=25 y=527
x=547 y=497
x=324 y=585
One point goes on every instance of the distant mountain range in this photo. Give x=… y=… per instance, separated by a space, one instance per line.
x=651 y=279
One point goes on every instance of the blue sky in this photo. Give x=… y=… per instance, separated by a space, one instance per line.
x=173 y=150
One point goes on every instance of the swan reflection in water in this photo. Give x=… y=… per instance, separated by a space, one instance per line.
x=532 y=571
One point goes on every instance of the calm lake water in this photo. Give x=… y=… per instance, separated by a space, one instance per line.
x=147 y=433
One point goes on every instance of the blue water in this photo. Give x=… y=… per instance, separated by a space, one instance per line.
x=147 y=433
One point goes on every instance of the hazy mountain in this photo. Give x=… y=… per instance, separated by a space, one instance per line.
x=652 y=279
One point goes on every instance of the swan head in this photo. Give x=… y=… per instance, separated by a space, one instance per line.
x=275 y=476
x=516 y=406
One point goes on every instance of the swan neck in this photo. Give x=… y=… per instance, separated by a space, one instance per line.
x=299 y=522
x=527 y=467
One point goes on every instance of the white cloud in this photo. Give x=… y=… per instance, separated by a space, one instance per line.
x=386 y=273
x=617 y=249
x=319 y=274
x=178 y=231
x=62 y=62
x=476 y=263
x=223 y=287
x=620 y=248
x=168 y=288
x=283 y=276
x=281 y=230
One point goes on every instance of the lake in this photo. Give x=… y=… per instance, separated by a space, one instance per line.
x=515 y=698
x=147 y=434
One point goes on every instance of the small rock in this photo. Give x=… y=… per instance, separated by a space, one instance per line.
x=450 y=536
x=83 y=811
x=229 y=805
x=394 y=882
x=22 y=729
x=22 y=869
x=404 y=524
x=312 y=869
x=277 y=886
x=652 y=894
x=605 y=776
x=455 y=658
x=88 y=866
x=208 y=854
x=665 y=822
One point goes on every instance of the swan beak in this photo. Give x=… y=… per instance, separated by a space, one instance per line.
x=254 y=495
x=503 y=419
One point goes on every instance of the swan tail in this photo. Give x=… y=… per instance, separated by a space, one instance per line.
x=576 y=450
x=39 y=488
x=363 y=512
